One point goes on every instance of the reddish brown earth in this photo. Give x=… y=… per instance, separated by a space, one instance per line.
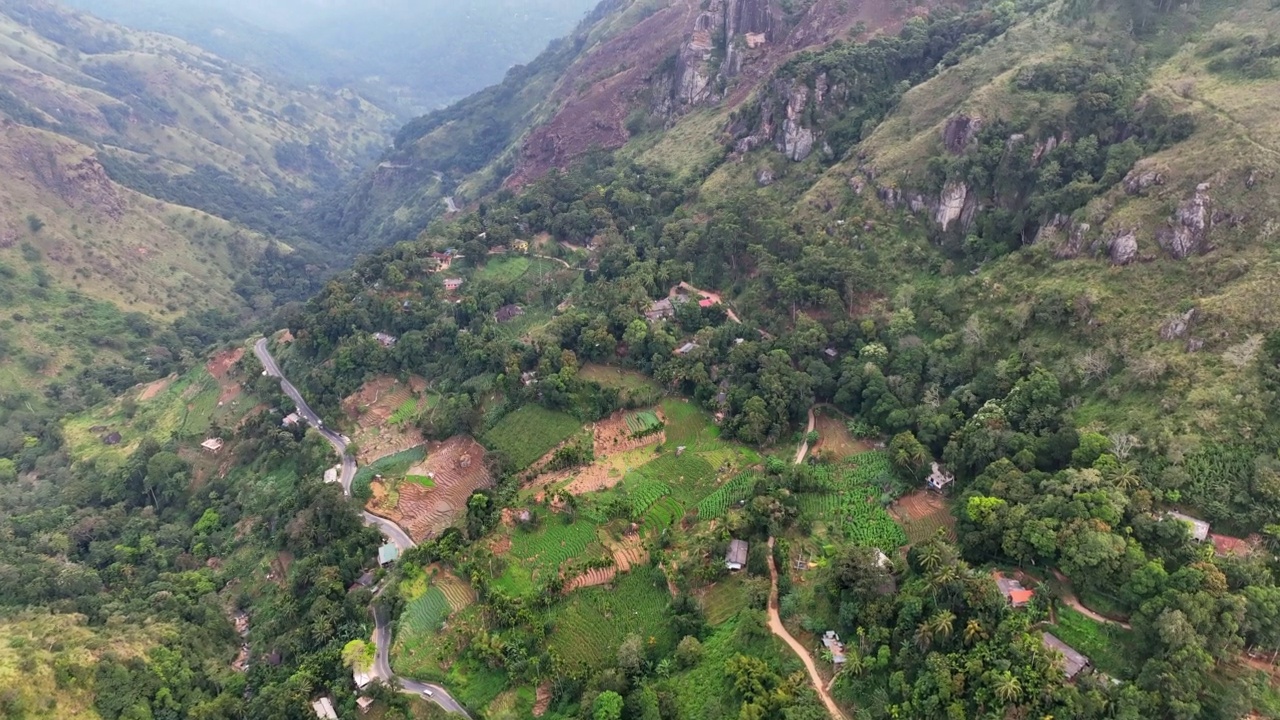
x=600 y=90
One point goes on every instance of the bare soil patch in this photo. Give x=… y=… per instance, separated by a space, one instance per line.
x=371 y=406
x=611 y=440
x=220 y=365
x=922 y=514
x=152 y=389
x=457 y=468
x=834 y=439
x=542 y=700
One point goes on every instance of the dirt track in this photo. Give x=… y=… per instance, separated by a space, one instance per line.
x=777 y=628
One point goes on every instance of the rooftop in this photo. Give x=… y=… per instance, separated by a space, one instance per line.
x=1199 y=528
x=1074 y=661
x=940 y=478
x=324 y=709
x=1013 y=591
x=212 y=444
x=737 y=554
x=388 y=553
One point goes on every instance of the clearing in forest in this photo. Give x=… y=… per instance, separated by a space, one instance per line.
x=528 y=433
x=835 y=442
x=849 y=500
x=455 y=469
x=922 y=514
x=590 y=624
x=384 y=409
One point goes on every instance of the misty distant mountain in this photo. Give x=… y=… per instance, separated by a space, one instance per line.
x=414 y=55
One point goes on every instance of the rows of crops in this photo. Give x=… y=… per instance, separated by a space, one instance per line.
x=717 y=503
x=424 y=615
x=848 y=498
x=527 y=434
x=392 y=465
x=643 y=423
x=405 y=412
x=645 y=494
x=590 y=625
x=555 y=543
x=689 y=476
x=661 y=516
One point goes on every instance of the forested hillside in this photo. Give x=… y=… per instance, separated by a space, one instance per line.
x=991 y=235
x=786 y=360
x=145 y=180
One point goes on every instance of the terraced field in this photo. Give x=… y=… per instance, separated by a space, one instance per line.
x=543 y=551
x=528 y=433
x=422 y=617
x=850 y=502
x=589 y=625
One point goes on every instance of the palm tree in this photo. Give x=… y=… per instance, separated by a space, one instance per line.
x=973 y=631
x=931 y=556
x=1008 y=688
x=924 y=635
x=943 y=622
x=854 y=663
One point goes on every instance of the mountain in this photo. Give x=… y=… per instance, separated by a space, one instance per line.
x=146 y=176
x=411 y=56
x=785 y=359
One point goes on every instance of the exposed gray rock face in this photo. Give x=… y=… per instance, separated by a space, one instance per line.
x=764 y=177
x=745 y=24
x=959 y=132
x=1178 y=326
x=951 y=204
x=1188 y=230
x=857 y=184
x=796 y=140
x=1123 y=248
x=1139 y=180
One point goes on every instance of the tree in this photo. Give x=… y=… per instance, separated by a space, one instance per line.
x=688 y=652
x=908 y=454
x=608 y=706
x=631 y=655
x=1008 y=687
x=8 y=471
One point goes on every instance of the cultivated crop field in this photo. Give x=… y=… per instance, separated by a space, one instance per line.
x=849 y=501
x=435 y=493
x=690 y=477
x=423 y=616
x=539 y=554
x=183 y=407
x=717 y=503
x=922 y=515
x=527 y=434
x=590 y=624
x=643 y=423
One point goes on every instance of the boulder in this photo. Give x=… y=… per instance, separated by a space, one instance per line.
x=1123 y=248
x=1188 y=231
x=951 y=204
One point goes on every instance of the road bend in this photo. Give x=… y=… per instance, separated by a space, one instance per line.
x=393 y=532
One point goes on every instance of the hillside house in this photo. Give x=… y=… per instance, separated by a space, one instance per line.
x=736 y=558
x=1199 y=528
x=831 y=641
x=385 y=340
x=213 y=445
x=707 y=302
x=686 y=348
x=831 y=353
x=452 y=284
x=388 y=554
x=364 y=703
x=362 y=677
x=882 y=560
x=332 y=475
x=507 y=313
x=1016 y=595
x=291 y=419
x=939 y=479
x=520 y=246
x=660 y=310
x=323 y=709
x=1073 y=663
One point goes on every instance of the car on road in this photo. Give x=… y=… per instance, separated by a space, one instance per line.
x=428 y=693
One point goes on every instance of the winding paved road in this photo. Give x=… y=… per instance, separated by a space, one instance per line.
x=381 y=632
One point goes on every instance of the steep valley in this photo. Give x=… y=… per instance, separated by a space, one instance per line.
x=782 y=359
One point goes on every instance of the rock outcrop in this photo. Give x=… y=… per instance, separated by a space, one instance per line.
x=795 y=140
x=1188 y=231
x=959 y=131
x=951 y=204
x=1123 y=248
x=1178 y=326
x=738 y=26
